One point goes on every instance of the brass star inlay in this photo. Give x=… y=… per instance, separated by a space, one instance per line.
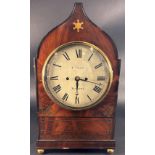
x=78 y=25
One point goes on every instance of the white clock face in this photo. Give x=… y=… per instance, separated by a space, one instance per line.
x=77 y=75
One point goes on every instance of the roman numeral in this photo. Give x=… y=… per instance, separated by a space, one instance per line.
x=90 y=57
x=57 y=88
x=54 y=78
x=89 y=97
x=65 y=97
x=101 y=78
x=97 y=89
x=77 y=100
x=66 y=56
x=56 y=65
x=99 y=65
x=79 y=53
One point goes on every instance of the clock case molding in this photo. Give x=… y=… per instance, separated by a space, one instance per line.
x=60 y=128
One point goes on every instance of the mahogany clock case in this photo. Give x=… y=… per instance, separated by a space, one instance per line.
x=69 y=116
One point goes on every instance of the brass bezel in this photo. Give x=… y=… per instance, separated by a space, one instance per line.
x=56 y=100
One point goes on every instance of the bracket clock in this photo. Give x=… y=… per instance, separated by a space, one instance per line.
x=77 y=75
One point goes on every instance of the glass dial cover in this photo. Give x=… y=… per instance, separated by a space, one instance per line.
x=77 y=75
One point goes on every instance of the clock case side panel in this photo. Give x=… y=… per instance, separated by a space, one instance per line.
x=54 y=39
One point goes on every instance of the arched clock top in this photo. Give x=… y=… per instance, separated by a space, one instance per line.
x=77 y=27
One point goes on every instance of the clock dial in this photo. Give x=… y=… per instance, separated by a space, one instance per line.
x=77 y=75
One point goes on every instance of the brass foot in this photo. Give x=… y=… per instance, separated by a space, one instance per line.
x=110 y=151
x=40 y=151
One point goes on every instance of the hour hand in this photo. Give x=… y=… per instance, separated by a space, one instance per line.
x=77 y=78
x=77 y=85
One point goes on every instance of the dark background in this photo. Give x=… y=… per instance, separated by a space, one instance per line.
x=109 y=15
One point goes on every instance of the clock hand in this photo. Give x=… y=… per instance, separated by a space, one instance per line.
x=77 y=78
x=77 y=85
x=85 y=80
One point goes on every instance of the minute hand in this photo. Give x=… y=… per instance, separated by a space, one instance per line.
x=90 y=82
